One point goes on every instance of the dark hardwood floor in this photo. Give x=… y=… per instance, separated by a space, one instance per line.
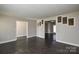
x=8 y=48
x=36 y=45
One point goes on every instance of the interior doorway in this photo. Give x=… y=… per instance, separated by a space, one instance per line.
x=21 y=35
x=21 y=28
x=50 y=32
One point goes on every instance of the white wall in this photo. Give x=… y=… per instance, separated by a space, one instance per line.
x=21 y=28
x=64 y=33
x=54 y=29
x=31 y=28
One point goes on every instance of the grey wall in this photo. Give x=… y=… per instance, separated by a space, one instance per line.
x=64 y=33
x=31 y=28
x=8 y=28
x=68 y=34
x=40 y=29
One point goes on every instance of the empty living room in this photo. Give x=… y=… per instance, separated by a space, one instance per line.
x=39 y=28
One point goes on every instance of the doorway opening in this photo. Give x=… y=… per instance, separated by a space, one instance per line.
x=50 y=32
x=21 y=35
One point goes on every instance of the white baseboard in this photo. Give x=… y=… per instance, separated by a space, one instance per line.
x=31 y=36
x=8 y=41
x=41 y=36
x=21 y=35
x=68 y=43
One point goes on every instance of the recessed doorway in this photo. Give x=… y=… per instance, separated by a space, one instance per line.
x=50 y=32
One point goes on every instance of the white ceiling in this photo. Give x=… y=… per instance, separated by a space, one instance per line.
x=38 y=10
